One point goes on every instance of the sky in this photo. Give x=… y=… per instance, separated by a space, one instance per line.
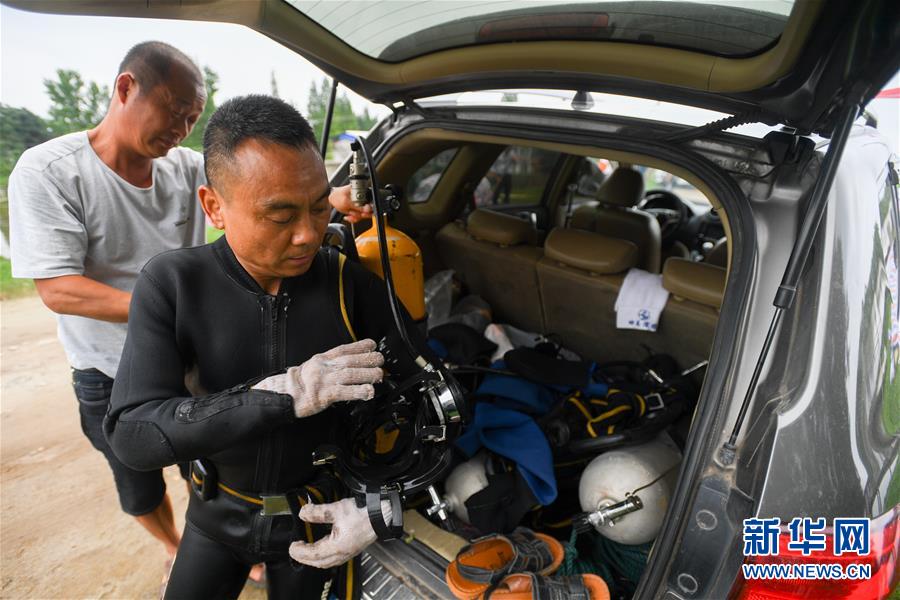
x=33 y=46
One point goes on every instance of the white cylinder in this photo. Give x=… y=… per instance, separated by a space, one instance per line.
x=612 y=475
x=466 y=480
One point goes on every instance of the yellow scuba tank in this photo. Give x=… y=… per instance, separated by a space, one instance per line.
x=406 y=265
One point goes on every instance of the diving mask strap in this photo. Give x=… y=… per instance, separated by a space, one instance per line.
x=374 y=496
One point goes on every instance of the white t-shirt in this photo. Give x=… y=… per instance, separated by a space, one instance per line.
x=70 y=214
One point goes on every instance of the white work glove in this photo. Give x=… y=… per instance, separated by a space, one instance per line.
x=351 y=533
x=341 y=374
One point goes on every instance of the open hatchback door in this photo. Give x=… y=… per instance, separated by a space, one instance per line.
x=787 y=62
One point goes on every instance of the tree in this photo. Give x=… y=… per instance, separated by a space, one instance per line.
x=20 y=129
x=317 y=106
x=74 y=105
x=274 y=84
x=342 y=119
x=210 y=81
x=365 y=121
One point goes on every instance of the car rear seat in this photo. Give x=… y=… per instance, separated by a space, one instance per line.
x=688 y=322
x=580 y=276
x=616 y=215
x=718 y=254
x=495 y=256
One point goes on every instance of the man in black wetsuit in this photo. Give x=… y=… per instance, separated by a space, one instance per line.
x=236 y=352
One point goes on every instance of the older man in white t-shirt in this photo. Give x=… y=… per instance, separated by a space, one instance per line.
x=89 y=209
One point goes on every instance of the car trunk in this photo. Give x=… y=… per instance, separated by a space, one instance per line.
x=404 y=143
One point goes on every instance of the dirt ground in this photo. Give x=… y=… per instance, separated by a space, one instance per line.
x=62 y=534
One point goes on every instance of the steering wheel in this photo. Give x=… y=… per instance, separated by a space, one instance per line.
x=668 y=210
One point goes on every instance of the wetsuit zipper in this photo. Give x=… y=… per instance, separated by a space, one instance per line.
x=268 y=461
x=266 y=474
x=272 y=305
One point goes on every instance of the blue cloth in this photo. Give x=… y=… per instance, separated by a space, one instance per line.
x=517 y=393
x=515 y=436
x=594 y=389
x=438 y=347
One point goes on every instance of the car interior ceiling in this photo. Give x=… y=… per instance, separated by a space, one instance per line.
x=556 y=266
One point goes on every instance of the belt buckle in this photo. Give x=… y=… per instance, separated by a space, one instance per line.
x=274 y=506
x=654 y=401
x=204 y=485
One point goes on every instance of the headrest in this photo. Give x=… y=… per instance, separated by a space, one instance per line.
x=499 y=228
x=718 y=254
x=591 y=251
x=695 y=281
x=625 y=187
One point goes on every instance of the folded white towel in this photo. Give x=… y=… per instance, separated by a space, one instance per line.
x=640 y=301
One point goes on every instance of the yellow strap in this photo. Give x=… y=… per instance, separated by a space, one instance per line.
x=606 y=415
x=237 y=494
x=259 y=502
x=350 y=579
x=584 y=411
x=227 y=489
x=610 y=413
x=320 y=499
x=341 y=260
x=309 y=532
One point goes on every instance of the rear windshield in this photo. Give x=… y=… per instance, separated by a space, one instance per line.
x=393 y=30
x=518 y=176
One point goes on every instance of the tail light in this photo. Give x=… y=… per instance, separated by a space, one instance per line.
x=884 y=536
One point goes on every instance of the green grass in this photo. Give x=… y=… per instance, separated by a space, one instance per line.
x=16 y=288
x=212 y=234
x=13 y=288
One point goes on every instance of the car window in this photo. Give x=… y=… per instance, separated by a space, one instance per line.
x=394 y=31
x=426 y=178
x=654 y=179
x=517 y=177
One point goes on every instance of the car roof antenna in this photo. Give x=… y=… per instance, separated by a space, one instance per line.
x=784 y=297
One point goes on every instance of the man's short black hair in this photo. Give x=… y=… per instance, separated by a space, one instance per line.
x=252 y=117
x=151 y=64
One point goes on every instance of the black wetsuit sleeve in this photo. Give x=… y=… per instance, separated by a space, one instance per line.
x=153 y=421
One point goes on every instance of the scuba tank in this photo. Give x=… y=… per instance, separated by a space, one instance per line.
x=406 y=265
x=625 y=492
x=466 y=480
x=403 y=254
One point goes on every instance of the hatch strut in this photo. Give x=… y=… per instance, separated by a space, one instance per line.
x=784 y=298
x=326 y=128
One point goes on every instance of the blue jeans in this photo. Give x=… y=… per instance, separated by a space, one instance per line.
x=140 y=492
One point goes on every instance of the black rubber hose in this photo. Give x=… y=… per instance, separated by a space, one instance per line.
x=383 y=250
